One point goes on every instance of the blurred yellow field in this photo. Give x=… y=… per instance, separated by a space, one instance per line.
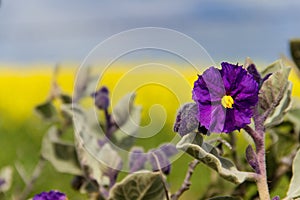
x=23 y=88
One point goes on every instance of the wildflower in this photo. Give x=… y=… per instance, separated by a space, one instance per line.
x=52 y=195
x=225 y=98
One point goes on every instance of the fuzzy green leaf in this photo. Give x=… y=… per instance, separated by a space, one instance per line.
x=272 y=68
x=95 y=159
x=62 y=155
x=285 y=104
x=294 y=189
x=122 y=110
x=194 y=145
x=139 y=186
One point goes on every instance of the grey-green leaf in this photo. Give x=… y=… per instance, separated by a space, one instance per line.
x=294 y=189
x=122 y=110
x=142 y=185
x=186 y=120
x=6 y=175
x=285 y=104
x=274 y=90
x=125 y=135
x=194 y=145
x=272 y=68
x=62 y=155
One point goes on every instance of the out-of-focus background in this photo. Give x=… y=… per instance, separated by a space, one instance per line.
x=36 y=35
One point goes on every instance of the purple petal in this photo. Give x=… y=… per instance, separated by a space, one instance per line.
x=212 y=117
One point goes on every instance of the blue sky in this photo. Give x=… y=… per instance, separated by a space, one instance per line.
x=55 y=30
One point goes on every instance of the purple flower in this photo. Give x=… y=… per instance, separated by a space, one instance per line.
x=225 y=98
x=52 y=195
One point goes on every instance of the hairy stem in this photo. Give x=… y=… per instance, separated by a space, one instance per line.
x=258 y=137
x=187 y=181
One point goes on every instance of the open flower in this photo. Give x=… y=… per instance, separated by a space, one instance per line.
x=52 y=195
x=225 y=98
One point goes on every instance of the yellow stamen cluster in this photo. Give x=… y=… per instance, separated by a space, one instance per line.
x=227 y=101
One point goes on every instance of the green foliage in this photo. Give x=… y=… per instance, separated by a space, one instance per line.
x=142 y=185
x=194 y=145
x=47 y=110
x=294 y=189
x=61 y=154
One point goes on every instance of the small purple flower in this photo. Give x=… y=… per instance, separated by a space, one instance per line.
x=225 y=98
x=52 y=195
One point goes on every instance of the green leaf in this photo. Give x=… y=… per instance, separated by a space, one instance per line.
x=186 y=120
x=225 y=198
x=274 y=89
x=122 y=110
x=139 y=186
x=295 y=51
x=65 y=98
x=194 y=145
x=47 y=110
x=97 y=160
x=6 y=175
x=294 y=189
x=62 y=155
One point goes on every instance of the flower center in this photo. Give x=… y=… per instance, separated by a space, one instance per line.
x=227 y=101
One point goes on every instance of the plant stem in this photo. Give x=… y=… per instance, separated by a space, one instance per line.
x=258 y=137
x=186 y=183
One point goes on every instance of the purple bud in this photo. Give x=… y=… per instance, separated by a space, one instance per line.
x=101 y=98
x=276 y=198
x=169 y=149
x=137 y=159
x=253 y=71
x=52 y=195
x=252 y=159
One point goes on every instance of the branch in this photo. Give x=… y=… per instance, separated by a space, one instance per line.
x=36 y=173
x=162 y=176
x=187 y=181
